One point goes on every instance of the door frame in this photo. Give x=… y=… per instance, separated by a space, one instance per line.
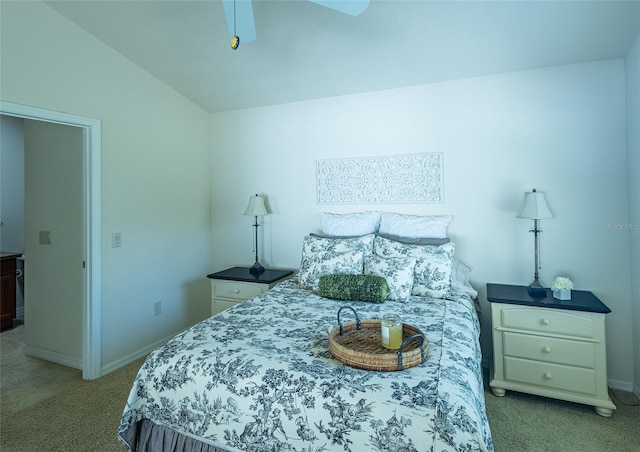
x=92 y=222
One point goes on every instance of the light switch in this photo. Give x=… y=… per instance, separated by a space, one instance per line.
x=116 y=239
x=45 y=237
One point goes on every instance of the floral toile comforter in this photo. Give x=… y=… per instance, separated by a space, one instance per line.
x=259 y=377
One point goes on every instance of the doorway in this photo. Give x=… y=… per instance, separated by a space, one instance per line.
x=91 y=222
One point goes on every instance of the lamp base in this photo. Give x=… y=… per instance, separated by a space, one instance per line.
x=256 y=269
x=535 y=290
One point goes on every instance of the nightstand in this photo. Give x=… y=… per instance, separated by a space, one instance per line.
x=549 y=347
x=235 y=285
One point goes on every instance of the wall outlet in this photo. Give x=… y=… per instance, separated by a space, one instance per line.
x=116 y=239
x=157 y=308
x=44 y=237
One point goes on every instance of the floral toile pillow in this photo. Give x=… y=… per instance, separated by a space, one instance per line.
x=434 y=264
x=315 y=243
x=398 y=271
x=326 y=256
x=322 y=263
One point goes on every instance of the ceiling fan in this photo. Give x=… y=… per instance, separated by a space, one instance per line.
x=239 y=15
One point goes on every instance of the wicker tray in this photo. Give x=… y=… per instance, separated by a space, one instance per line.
x=358 y=344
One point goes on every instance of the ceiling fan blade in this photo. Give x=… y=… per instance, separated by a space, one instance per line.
x=244 y=27
x=351 y=7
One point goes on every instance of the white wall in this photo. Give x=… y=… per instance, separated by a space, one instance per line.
x=632 y=66
x=560 y=130
x=155 y=172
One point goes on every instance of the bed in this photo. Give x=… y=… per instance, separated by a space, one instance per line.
x=259 y=376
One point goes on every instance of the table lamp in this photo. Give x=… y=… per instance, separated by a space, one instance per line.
x=256 y=208
x=534 y=207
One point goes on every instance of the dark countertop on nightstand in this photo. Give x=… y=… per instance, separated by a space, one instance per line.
x=581 y=300
x=242 y=274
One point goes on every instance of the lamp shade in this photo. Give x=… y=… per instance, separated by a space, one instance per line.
x=534 y=206
x=256 y=206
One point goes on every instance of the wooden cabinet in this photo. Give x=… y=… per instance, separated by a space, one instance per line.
x=7 y=289
x=235 y=285
x=550 y=347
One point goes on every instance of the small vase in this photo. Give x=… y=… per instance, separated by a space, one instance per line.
x=562 y=294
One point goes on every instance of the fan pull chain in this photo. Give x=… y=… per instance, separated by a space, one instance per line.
x=235 y=41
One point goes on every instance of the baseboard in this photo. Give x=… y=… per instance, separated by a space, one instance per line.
x=626 y=386
x=76 y=363
x=117 y=364
x=60 y=358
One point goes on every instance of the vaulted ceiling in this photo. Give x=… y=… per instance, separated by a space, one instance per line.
x=305 y=51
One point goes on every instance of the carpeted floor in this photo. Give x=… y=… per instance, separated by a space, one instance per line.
x=85 y=416
x=527 y=423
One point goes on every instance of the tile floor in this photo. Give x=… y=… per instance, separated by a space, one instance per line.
x=24 y=380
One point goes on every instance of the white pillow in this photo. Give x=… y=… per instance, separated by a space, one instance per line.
x=434 y=265
x=349 y=224
x=315 y=265
x=398 y=271
x=460 y=278
x=414 y=226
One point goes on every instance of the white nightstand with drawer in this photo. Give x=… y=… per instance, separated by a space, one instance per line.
x=235 y=285
x=549 y=347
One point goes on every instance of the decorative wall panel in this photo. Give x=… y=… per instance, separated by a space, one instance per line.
x=414 y=178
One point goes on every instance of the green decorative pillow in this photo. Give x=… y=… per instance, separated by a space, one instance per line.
x=353 y=287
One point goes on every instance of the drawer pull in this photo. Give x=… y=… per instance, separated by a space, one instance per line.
x=545 y=321
x=236 y=291
x=546 y=349
x=548 y=376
